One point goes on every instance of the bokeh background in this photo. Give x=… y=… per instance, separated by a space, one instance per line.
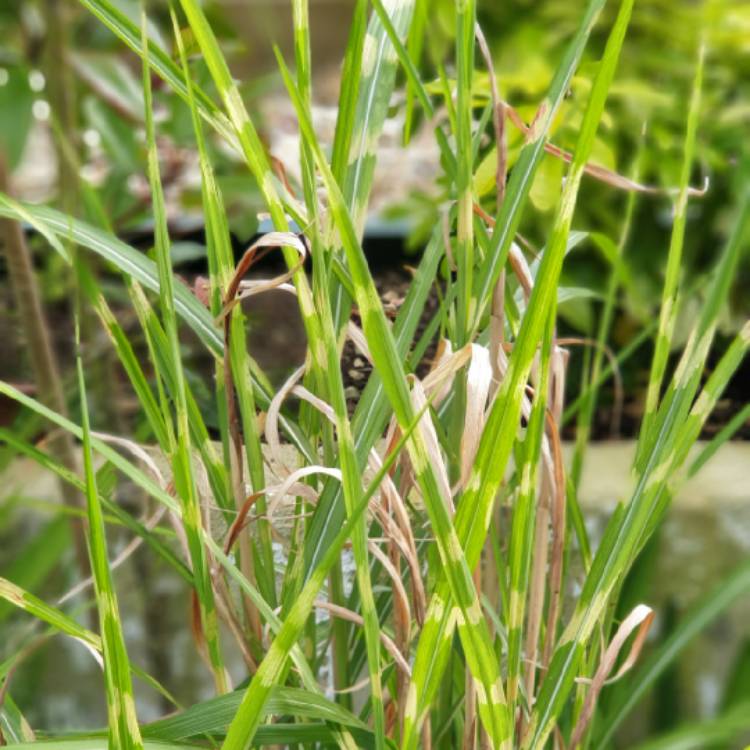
x=72 y=133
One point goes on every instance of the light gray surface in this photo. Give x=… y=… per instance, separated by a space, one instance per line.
x=705 y=535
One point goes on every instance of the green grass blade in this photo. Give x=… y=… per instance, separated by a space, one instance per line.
x=523 y=524
x=214 y=715
x=15 y=726
x=221 y=262
x=334 y=388
x=124 y=732
x=158 y=59
x=378 y=75
x=405 y=57
x=372 y=409
x=498 y=437
x=182 y=466
x=668 y=313
x=127 y=260
x=218 y=246
x=683 y=386
x=54 y=617
x=517 y=191
x=722 y=436
x=415 y=44
x=362 y=115
x=371 y=65
x=126 y=355
x=249 y=140
x=351 y=72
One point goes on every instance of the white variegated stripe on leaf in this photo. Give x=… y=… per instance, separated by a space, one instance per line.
x=668 y=312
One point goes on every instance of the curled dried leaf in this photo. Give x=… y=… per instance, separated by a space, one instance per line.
x=256 y=251
x=638 y=620
x=347 y=614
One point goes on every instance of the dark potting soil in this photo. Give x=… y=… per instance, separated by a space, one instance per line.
x=277 y=341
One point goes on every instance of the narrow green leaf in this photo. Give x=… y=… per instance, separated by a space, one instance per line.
x=124 y=733
x=668 y=310
x=498 y=437
x=214 y=715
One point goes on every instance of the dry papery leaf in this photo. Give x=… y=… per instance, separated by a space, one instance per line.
x=640 y=620
x=269 y=241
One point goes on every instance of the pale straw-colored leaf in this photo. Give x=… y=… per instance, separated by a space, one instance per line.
x=478 y=383
x=638 y=620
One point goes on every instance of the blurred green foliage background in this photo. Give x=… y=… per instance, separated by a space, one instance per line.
x=101 y=140
x=641 y=135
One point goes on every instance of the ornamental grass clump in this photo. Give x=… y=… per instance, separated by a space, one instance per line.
x=465 y=621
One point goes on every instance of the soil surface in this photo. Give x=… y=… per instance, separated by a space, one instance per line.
x=276 y=340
